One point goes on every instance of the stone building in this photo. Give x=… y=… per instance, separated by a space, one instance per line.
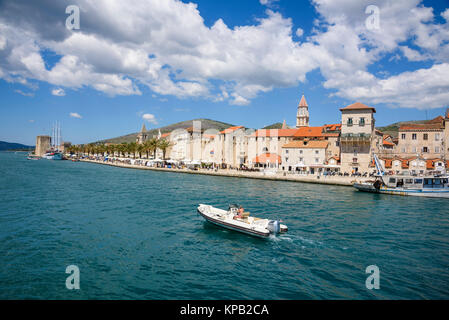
x=43 y=144
x=305 y=155
x=422 y=140
x=358 y=137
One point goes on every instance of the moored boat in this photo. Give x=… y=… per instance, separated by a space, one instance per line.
x=245 y=223
x=55 y=155
x=436 y=186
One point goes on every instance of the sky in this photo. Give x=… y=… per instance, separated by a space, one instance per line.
x=242 y=62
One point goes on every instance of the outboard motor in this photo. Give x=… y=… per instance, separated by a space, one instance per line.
x=274 y=226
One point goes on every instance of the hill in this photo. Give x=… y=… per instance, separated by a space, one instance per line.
x=14 y=146
x=205 y=124
x=393 y=129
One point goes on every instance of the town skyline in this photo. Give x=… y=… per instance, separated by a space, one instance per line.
x=62 y=76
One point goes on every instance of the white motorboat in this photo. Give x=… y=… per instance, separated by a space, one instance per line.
x=231 y=219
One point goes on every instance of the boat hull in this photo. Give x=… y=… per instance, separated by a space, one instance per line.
x=428 y=193
x=233 y=227
x=56 y=156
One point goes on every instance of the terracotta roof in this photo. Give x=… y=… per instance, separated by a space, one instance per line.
x=438 y=119
x=422 y=126
x=309 y=132
x=303 y=102
x=335 y=157
x=386 y=142
x=274 y=132
x=430 y=163
x=165 y=135
x=333 y=127
x=307 y=145
x=231 y=129
x=358 y=106
x=267 y=157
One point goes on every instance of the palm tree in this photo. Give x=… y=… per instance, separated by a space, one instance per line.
x=133 y=148
x=163 y=145
x=152 y=146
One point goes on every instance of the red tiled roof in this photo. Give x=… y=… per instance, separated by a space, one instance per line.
x=306 y=145
x=267 y=157
x=165 y=135
x=309 y=132
x=231 y=129
x=274 y=132
x=358 y=106
x=422 y=126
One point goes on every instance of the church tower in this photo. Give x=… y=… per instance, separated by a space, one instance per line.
x=302 y=118
x=142 y=136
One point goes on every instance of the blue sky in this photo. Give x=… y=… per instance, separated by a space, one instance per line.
x=174 y=62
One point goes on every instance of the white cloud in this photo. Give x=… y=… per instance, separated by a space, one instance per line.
x=75 y=115
x=31 y=121
x=150 y=118
x=166 y=47
x=26 y=94
x=58 y=92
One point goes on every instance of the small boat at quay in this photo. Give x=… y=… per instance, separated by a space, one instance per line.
x=53 y=155
x=241 y=221
x=436 y=186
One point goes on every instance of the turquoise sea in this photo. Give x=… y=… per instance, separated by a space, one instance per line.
x=136 y=235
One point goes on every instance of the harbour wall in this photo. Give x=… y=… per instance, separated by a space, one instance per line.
x=329 y=180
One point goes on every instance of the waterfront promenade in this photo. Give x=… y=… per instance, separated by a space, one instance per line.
x=331 y=180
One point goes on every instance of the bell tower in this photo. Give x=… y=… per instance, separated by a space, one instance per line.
x=302 y=117
x=142 y=136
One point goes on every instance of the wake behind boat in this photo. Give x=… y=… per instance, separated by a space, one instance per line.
x=241 y=221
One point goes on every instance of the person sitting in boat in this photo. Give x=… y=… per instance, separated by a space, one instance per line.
x=239 y=213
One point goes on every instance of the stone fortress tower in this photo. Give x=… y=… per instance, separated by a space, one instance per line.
x=43 y=144
x=302 y=117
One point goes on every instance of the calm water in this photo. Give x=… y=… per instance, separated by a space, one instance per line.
x=136 y=235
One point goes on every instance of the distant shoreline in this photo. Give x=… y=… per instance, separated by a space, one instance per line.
x=326 y=180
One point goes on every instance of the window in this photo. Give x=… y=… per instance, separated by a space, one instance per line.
x=425 y=149
x=337 y=143
x=403 y=149
x=286 y=159
x=413 y=136
x=301 y=159
x=425 y=136
x=437 y=137
x=392 y=180
x=317 y=152
x=418 y=181
x=437 y=149
x=362 y=122
x=317 y=160
x=414 y=149
x=403 y=136
x=300 y=151
x=286 y=151
x=354 y=160
x=349 y=121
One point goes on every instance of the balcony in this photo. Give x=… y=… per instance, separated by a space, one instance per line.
x=355 y=138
